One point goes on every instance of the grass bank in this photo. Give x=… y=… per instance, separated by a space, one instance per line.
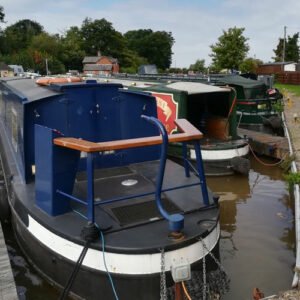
x=290 y=88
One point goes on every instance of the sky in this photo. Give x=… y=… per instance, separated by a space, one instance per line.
x=194 y=24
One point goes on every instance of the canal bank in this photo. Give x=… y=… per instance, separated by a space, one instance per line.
x=292 y=122
x=291 y=116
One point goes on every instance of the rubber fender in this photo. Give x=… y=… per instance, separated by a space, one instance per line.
x=240 y=165
x=4 y=205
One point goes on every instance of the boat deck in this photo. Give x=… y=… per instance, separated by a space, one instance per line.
x=266 y=144
x=123 y=221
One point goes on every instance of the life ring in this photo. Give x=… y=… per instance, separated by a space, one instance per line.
x=50 y=80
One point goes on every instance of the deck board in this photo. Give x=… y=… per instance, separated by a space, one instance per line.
x=266 y=144
x=7 y=282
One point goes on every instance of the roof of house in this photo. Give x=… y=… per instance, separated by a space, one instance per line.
x=90 y=59
x=96 y=67
x=94 y=59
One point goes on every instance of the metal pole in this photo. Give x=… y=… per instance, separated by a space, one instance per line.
x=284 y=38
x=47 y=73
x=90 y=188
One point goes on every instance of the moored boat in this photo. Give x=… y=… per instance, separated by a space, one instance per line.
x=212 y=110
x=96 y=206
x=258 y=106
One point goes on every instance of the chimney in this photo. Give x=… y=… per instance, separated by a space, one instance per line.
x=98 y=53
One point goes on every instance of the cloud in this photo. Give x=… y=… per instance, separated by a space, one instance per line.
x=195 y=25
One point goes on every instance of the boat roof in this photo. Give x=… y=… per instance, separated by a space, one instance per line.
x=196 y=87
x=241 y=81
x=27 y=89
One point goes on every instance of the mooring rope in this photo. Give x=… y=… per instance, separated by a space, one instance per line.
x=71 y=279
x=267 y=164
x=102 y=240
x=185 y=291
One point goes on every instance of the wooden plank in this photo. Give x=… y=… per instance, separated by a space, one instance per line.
x=7 y=282
x=189 y=133
x=266 y=144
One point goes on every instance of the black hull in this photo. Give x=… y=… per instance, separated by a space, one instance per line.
x=223 y=167
x=89 y=284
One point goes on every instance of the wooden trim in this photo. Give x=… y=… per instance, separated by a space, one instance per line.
x=188 y=133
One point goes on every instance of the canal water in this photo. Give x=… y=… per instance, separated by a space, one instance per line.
x=257 y=246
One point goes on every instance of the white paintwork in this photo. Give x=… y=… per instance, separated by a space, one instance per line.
x=137 y=264
x=221 y=154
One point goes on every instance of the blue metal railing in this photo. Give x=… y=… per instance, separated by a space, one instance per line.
x=176 y=221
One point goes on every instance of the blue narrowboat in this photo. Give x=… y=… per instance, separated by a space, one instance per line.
x=95 y=204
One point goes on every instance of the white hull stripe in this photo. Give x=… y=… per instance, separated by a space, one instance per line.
x=122 y=263
x=221 y=154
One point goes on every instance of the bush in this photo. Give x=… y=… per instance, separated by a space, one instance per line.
x=292 y=178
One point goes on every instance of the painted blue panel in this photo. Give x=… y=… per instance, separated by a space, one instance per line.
x=132 y=106
x=51 y=113
x=108 y=122
x=91 y=108
x=55 y=170
x=95 y=112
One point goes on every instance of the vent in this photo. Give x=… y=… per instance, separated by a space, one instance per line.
x=141 y=212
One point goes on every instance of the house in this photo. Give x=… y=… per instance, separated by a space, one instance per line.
x=5 y=70
x=97 y=65
x=276 y=67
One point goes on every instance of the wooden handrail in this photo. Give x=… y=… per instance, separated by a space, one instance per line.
x=188 y=133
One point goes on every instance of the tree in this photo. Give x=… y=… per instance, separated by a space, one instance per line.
x=99 y=35
x=2 y=15
x=19 y=35
x=73 y=53
x=278 y=51
x=249 y=65
x=155 y=47
x=130 y=61
x=230 y=50
x=198 y=66
x=47 y=47
x=291 y=49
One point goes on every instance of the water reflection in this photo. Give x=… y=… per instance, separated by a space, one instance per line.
x=30 y=285
x=257 y=231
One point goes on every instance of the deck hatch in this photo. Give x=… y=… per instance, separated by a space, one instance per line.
x=140 y=212
x=104 y=173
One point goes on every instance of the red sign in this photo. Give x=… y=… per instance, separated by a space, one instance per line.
x=167 y=110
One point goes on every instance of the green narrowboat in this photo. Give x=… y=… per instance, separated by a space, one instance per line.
x=256 y=102
x=212 y=110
